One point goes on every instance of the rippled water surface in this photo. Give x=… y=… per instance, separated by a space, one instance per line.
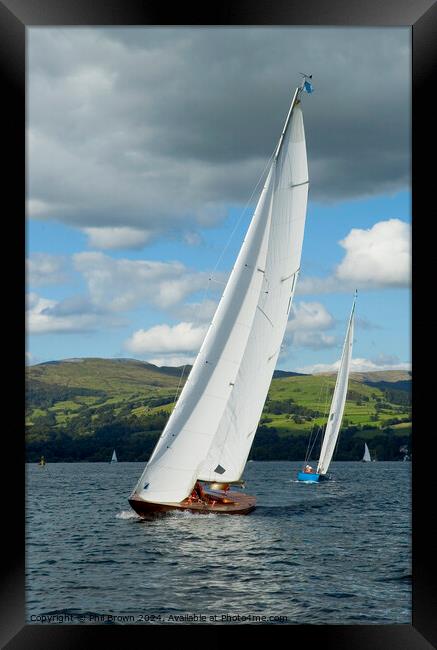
x=335 y=552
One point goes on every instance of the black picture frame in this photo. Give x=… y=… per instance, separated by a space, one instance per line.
x=421 y=16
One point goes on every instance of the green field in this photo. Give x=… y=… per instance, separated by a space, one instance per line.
x=84 y=398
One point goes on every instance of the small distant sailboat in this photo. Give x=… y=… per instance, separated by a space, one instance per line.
x=366 y=458
x=405 y=451
x=114 y=457
x=205 y=444
x=42 y=461
x=336 y=411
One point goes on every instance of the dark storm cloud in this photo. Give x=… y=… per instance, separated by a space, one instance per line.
x=163 y=128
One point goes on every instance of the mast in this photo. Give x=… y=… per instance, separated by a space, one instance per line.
x=210 y=431
x=287 y=120
x=338 y=399
x=304 y=85
x=233 y=440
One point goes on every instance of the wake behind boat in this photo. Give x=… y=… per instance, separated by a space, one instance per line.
x=204 y=447
x=308 y=474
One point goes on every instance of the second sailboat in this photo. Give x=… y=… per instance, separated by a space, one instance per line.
x=335 y=417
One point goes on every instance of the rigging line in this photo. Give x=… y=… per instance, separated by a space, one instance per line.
x=338 y=437
x=210 y=278
x=325 y=411
x=314 y=422
x=241 y=215
x=323 y=387
x=315 y=439
x=225 y=438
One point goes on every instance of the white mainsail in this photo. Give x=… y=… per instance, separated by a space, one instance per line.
x=366 y=458
x=232 y=443
x=338 y=400
x=210 y=431
x=114 y=457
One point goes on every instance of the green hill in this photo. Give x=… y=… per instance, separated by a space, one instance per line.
x=82 y=408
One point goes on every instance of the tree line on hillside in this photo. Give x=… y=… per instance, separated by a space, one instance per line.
x=384 y=445
x=135 y=437
x=42 y=395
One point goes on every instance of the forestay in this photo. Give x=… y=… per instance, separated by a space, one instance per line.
x=338 y=400
x=231 y=445
x=210 y=431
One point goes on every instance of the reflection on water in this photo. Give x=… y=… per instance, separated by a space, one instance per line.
x=335 y=552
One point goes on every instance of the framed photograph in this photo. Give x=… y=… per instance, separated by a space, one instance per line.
x=218 y=273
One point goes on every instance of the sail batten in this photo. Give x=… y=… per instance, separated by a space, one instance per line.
x=193 y=423
x=210 y=431
x=234 y=438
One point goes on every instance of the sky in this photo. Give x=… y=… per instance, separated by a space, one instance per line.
x=145 y=149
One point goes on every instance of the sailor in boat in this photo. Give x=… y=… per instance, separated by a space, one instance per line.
x=199 y=492
x=236 y=339
x=308 y=469
x=200 y=495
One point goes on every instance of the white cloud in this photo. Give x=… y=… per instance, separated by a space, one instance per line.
x=44 y=316
x=173 y=360
x=379 y=256
x=36 y=208
x=43 y=269
x=138 y=126
x=314 y=340
x=168 y=339
x=117 y=238
x=123 y=284
x=376 y=258
x=116 y=286
x=192 y=238
x=310 y=316
x=307 y=286
x=197 y=312
x=357 y=365
x=307 y=324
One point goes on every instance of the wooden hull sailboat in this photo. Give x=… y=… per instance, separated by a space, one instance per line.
x=206 y=442
x=224 y=503
x=336 y=411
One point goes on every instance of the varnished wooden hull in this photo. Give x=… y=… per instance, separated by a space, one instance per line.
x=238 y=504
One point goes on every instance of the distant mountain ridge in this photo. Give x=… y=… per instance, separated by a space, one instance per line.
x=374 y=376
x=370 y=377
x=84 y=408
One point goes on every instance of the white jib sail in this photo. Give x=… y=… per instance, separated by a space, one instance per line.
x=114 y=457
x=220 y=405
x=338 y=400
x=231 y=445
x=366 y=457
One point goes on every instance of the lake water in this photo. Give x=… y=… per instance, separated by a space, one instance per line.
x=331 y=553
